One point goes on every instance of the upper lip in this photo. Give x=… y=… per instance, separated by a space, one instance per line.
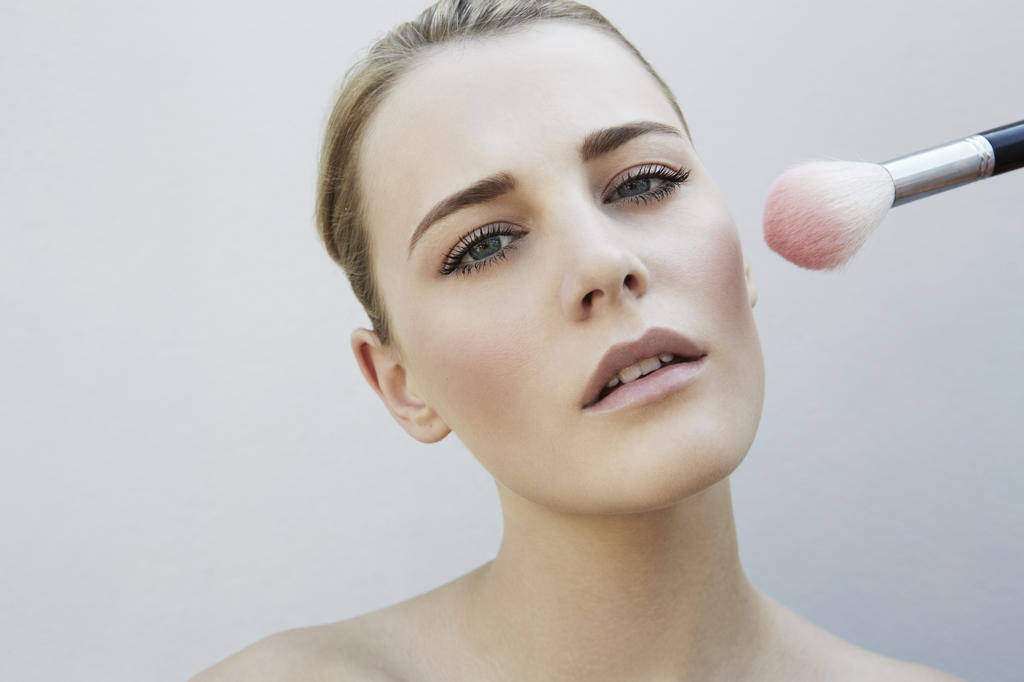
x=655 y=341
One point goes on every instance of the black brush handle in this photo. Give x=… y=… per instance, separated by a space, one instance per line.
x=1008 y=144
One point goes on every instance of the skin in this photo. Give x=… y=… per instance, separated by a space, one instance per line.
x=607 y=515
x=619 y=557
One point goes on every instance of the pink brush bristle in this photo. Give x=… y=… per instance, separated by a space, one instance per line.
x=819 y=214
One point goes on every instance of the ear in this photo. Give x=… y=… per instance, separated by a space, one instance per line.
x=388 y=378
x=751 y=287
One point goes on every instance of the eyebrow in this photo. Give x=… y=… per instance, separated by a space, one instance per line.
x=595 y=144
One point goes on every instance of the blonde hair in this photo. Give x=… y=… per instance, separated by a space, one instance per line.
x=340 y=212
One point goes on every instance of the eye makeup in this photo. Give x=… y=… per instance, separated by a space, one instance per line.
x=493 y=235
x=488 y=235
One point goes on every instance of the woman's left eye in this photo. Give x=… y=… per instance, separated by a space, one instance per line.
x=636 y=188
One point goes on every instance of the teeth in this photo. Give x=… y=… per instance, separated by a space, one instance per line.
x=631 y=373
x=649 y=365
x=635 y=371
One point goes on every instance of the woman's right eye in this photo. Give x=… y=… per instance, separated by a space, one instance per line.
x=484 y=246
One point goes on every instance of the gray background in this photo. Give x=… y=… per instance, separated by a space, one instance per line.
x=192 y=460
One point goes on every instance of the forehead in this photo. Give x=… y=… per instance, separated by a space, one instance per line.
x=506 y=102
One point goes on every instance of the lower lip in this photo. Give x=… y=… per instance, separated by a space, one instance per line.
x=650 y=387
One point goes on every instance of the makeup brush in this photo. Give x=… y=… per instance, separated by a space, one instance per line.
x=818 y=214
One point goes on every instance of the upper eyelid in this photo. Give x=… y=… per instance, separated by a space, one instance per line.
x=478 y=234
x=640 y=169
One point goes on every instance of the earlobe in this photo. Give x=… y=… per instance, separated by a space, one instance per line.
x=751 y=287
x=388 y=378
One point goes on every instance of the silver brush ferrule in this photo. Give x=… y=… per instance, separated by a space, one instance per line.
x=940 y=168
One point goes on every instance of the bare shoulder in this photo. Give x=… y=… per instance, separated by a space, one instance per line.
x=339 y=651
x=882 y=668
x=886 y=668
x=391 y=644
x=811 y=652
x=852 y=663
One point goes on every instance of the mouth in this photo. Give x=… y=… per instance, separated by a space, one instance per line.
x=617 y=382
x=626 y=364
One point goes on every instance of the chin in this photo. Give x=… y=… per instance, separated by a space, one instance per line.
x=630 y=477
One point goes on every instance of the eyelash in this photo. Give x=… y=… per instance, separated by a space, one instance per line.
x=673 y=178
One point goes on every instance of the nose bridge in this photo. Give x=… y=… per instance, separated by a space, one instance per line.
x=601 y=267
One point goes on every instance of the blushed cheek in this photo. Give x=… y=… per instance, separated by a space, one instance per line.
x=710 y=278
x=726 y=278
x=736 y=327
x=704 y=260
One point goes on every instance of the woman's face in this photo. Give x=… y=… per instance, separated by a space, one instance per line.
x=502 y=345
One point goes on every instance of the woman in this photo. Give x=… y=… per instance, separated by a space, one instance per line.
x=520 y=209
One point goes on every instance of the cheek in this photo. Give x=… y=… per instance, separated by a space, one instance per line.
x=724 y=277
x=706 y=270
x=700 y=257
x=724 y=289
x=467 y=357
x=736 y=332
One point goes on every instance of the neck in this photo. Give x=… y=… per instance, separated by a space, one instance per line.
x=652 y=595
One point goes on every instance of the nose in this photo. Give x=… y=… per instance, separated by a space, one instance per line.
x=602 y=272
